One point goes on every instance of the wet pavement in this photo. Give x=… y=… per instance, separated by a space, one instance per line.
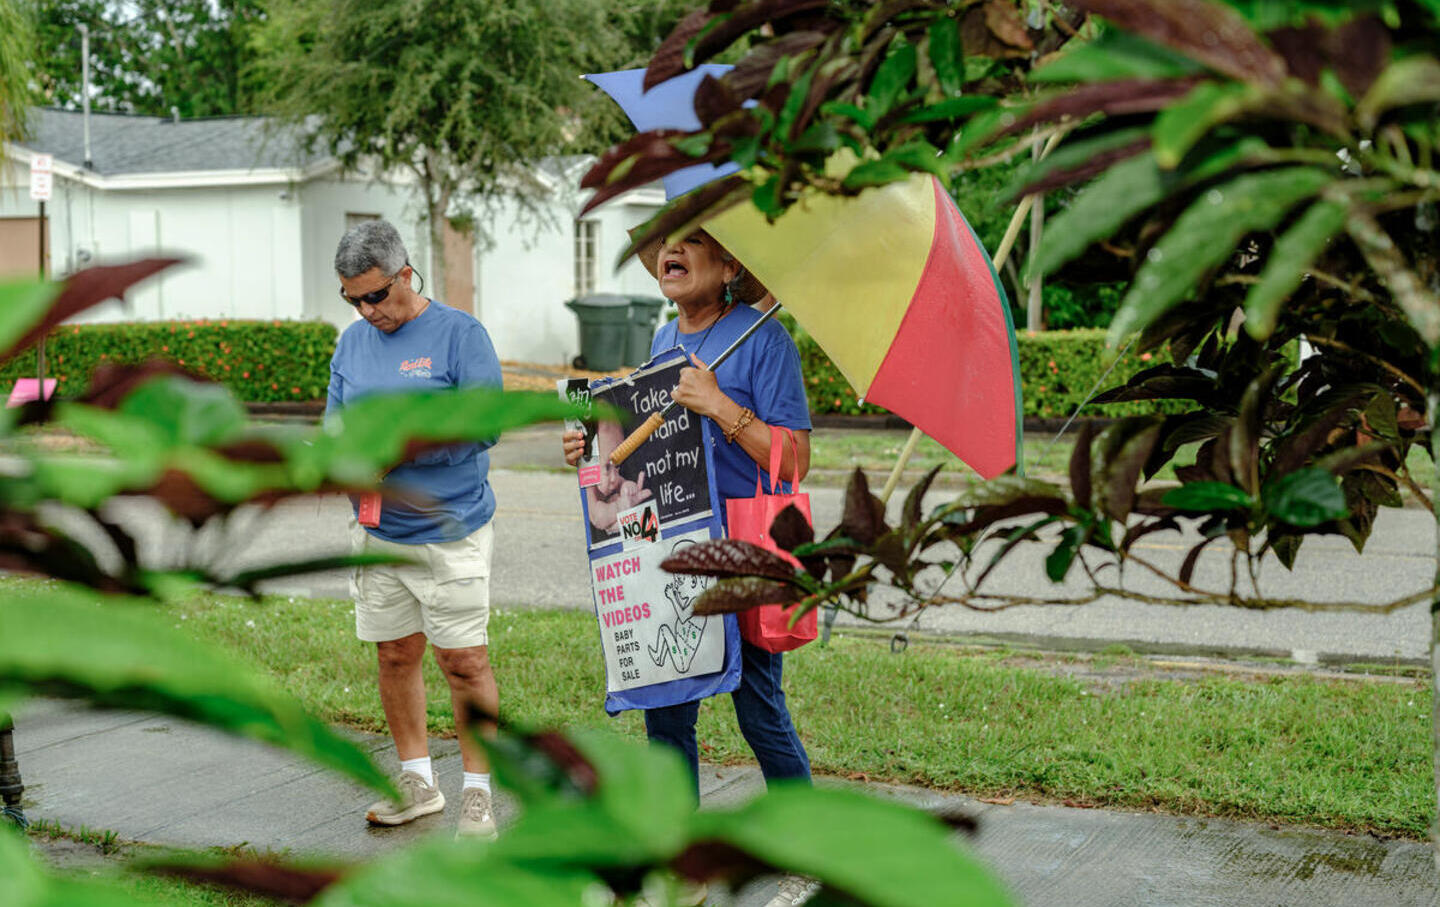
x=157 y=780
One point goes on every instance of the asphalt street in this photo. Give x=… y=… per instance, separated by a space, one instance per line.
x=540 y=562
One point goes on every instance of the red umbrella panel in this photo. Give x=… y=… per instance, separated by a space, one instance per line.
x=896 y=288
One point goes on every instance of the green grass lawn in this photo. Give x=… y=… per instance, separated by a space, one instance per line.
x=1351 y=754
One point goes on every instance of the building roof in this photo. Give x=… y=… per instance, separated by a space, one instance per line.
x=125 y=144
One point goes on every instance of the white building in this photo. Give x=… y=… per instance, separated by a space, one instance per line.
x=258 y=218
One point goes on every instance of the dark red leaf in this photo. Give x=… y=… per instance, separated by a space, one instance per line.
x=709 y=860
x=184 y=498
x=978 y=40
x=558 y=749
x=691 y=208
x=739 y=594
x=915 y=500
x=1187 y=569
x=994 y=513
x=728 y=557
x=790 y=529
x=252 y=451
x=714 y=99
x=1126 y=447
x=1119 y=97
x=669 y=59
x=88 y=288
x=1303 y=50
x=266 y=877
x=1097 y=164
x=864 y=516
x=1004 y=22
x=1080 y=464
x=26 y=546
x=1138 y=531
x=1297 y=448
x=752 y=74
x=1208 y=32
x=1359 y=50
x=1150 y=501
x=112 y=383
x=643 y=159
x=124 y=543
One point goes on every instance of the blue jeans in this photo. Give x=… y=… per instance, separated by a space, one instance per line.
x=759 y=710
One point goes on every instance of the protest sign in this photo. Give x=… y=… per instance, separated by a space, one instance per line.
x=657 y=651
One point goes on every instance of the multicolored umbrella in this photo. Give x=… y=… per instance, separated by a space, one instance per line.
x=894 y=286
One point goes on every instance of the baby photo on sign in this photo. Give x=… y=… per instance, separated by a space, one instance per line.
x=668 y=467
x=619 y=488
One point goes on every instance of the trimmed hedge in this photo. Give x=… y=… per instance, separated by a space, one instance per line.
x=260 y=361
x=272 y=361
x=1058 y=369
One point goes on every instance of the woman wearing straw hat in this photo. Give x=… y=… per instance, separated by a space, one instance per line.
x=760 y=385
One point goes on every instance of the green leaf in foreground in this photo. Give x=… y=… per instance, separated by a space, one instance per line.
x=371 y=434
x=1112 y=56
x=879 y=852
x=1120 y=193
x=1182 y=124
x=187 y=412
x=25 y=303
x=1207 y=496
x=947 y=55
x=26 y=884
x=115 y=653
x=1306 y=497
x=1285 y=268
x=1205 y=235
x=442 y=871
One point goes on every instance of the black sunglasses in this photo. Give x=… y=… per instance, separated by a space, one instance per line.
x=374 y=297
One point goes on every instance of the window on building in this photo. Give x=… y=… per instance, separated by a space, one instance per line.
x=587 y=241
x=354 y=219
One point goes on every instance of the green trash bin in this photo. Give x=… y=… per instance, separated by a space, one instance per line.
x=604 y=331
x=644 y=315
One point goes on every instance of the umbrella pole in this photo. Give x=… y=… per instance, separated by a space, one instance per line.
x=1001 y=254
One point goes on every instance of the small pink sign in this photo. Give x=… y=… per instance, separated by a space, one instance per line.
x=27 y=389
x=590 y=475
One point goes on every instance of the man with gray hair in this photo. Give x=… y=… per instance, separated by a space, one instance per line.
x=438 y=518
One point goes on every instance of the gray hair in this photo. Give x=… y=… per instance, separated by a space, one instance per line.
x=372 y=244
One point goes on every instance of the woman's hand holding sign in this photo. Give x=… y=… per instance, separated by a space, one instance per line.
x=698 y=390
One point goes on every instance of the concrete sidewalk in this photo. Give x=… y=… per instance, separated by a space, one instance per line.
x=158 y=780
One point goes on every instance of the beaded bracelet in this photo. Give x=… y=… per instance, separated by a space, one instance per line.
x=746 y=415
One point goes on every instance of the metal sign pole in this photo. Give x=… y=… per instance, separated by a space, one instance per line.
x=40 y=347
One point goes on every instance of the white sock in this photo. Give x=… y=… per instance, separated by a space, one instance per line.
x=476 y=779
x=420 y=767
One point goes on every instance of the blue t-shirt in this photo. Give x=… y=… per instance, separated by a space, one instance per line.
x=763 y=375
x=439 y=348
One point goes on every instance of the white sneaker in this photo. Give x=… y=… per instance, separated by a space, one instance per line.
x=417 y=798
x=476 y=818
x=794 y=890
x=687 y=894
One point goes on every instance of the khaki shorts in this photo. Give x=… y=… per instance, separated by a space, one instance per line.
x=444 y=594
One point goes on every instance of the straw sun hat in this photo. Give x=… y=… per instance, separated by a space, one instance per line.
x=745 y=287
